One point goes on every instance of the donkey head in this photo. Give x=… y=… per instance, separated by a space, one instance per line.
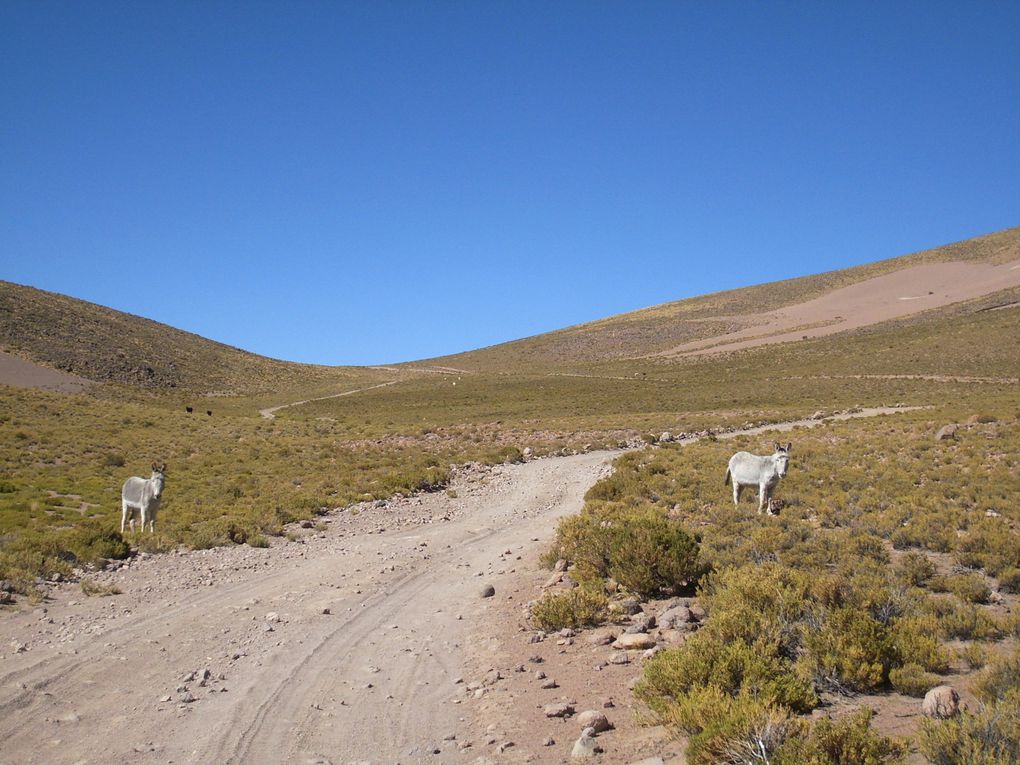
x=158 y=476
x=782 y=457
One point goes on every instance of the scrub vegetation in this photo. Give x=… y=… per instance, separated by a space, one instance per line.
x=894 y=562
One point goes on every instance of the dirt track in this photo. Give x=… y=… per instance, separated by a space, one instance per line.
x=373 y=680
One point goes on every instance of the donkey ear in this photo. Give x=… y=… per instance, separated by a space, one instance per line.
x=777 y=446
x=788 y=445
x=155 y=466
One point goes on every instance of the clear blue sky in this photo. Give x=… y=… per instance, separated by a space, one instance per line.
x=366 y=182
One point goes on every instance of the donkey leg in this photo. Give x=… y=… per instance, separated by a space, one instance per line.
x=763 y=496
x=736 y=493
x=123 y=515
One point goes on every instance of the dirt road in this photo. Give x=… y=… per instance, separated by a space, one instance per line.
x=100 y=680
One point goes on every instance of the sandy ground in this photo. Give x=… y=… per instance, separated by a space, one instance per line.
x=367 y=640
x=892 y=296
x=24 y=374
x=98 y=680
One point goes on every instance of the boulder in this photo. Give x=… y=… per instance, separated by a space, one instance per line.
x=946 y=432
x=594 y=719
x=676 y=617
x=634 y=641
x=941 y=702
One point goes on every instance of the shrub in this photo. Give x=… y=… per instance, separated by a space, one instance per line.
x=1009 y=581
x=999 y=679
x=638 y=547
x=915 y=569
x=849 y=740
x=915 y=642
x=912 y=680
x=90 y=588
x=969 y=587
x=578 y=607
x=964 y=621
x=735 y=668
x=989 y=736
x=724 y=728
x=974 y=655
x=850 y=651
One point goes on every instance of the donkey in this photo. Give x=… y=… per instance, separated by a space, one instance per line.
x=142 y=495
x=749 y=469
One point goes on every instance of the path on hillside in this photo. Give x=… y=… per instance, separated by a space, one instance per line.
x=122 y=679
x=270 y=412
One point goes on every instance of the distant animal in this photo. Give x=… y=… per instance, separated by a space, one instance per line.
x=747 y=469
x=209 y=412
x=188 y=409
x=142 y=495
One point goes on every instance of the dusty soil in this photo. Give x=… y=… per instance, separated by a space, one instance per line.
x=367 y=639
x=892 y=296
x=24 y=374
x=110 y=679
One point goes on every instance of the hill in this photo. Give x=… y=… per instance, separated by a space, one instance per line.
x=835 y=301
x=108 y=346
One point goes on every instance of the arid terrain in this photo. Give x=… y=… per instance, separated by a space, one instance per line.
x=347 y=560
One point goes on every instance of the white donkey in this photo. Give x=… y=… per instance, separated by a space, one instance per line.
x=142 y=495
x=747 y=469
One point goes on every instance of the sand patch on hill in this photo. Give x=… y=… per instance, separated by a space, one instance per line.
x=25 y=374
x=891 y=296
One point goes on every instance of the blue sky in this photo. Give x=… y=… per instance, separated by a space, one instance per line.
x=355 y=183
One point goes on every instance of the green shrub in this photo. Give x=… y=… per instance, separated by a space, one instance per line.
x=638 y=547
x=90 y=588
x=849 y=740
x=723 y=728
x=969 y=587
x=1009 y=581
x=258 y=540
x=755 y=670
x=915 y=569
x=988 y=736
x=578 y=607
x=964 y=621
x=1000 y=678
x=850 y=651
x=974 y=655
x=912 y=680
x=915 y=641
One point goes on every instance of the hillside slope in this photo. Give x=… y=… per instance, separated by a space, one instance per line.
x=981 y=266
x=104 y=345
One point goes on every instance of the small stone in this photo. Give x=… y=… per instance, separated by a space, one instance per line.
x=549 y=683
x=550 y=741
x=558 y=710
x=488 y=591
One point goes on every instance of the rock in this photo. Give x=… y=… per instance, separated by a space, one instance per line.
x=619 y=658
x=946 y=432
x=698 y=612
x=548 y=683
x=666 y=437
x=819 y=415
x=488 y=591
x=491 y=677
x=594 y=719
x=272 y=616
x=629 y=606
x=941 y=702
x=585 y=747
x=527 y=452
x=674 y=637
x=561 y=565
x=637 y=641
x=550 y=741
x=649 y=761
x=554 y=579
x=640 y=623
x=601 y=638
x=558 y=710
x=673 y=617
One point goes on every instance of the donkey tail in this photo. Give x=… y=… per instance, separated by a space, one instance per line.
x=727 y=481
